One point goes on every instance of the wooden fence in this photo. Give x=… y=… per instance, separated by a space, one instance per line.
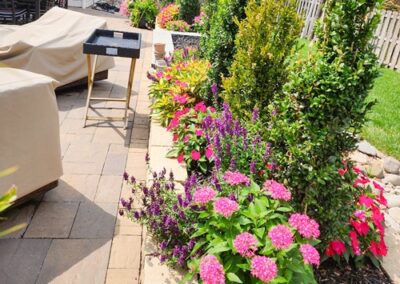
x=387 y=34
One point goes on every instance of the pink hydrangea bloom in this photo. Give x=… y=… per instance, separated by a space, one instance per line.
x=310 y=254
x=277 y=190
x=203 y=195
x=263 y=268
x=225 y=206
x=245 y=244
x=236 y=178
x=281 y=237
x=306 y=226
x=211 y=271
x=196 y=155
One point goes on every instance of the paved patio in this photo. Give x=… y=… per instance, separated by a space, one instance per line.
x=74 y=234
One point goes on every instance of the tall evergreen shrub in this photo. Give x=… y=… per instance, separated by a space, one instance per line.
x=264 y=43
x=218 y=45
x=188 y=10
x=323 y=109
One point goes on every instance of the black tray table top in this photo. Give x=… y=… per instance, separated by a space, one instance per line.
x=113 y=43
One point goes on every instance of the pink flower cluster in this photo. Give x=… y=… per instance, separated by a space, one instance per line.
x=263 y=268
x=204 y=195
x=306 y=226
x=277 y=190
x=225 y=206
x=310 y=254
x=281 y=237
x=236 y=178
x=245 y=244
x=211 y=271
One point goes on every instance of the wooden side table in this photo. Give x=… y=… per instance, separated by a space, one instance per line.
x=110 y=43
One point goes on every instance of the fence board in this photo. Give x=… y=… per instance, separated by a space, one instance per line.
x=387 y=34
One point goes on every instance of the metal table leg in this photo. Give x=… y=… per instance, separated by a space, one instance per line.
x=129 y=90
x=91 y=73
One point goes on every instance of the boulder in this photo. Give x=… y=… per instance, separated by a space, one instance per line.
x=359 y=157
x=391 y=165
x=393 y=200
x=393 y=179
x=366 y=148
x=375 y=169
x=395 y=213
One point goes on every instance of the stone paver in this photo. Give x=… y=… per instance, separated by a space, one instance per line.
x=94 y=221
x=74 y=234
x=52 y=220
x=76 y=261
x=16 y=217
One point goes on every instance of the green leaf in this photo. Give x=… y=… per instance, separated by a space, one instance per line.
x=233 y=277
x=284 y=209
x=199 y=232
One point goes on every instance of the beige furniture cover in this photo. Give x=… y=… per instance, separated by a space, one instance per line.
x=29 y=130
x=52 y=45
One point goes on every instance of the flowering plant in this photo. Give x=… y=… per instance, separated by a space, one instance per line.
x=250 y=234
x=239 y=146
x=167 y=14
x=177 y=25
x=177 y=87
x=363 y=234
x=189 y=140
x=168 y=215
x=198 y=22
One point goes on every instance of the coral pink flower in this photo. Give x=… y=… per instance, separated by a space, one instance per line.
x=123 y=9
x=204 y=195
x=277 y=190
x=245 y=244
x=175 y=137
x=181 y=84
x=281 y=237
x=355 y=244
x=199 y=132
x=212 y=109
x=236 y=178
x=378 y=249
x=168 y=77
x=225 y=206
x=361 y=180
x=196 y=155
x=365 y=200
x=186 y=139
x=181 y=158
x=306 y=226
x=310 y=254
x=336 y=247
x=200 y=107
x=211 y=271
x=381 y=199
x=342 y=172
x=263 y=268
x=209 y=153
x=362 y=228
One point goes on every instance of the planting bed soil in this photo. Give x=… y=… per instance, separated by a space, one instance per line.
x=330 y=272
x=181 y=41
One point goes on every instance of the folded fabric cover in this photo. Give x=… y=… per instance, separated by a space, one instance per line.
x=52 y=45
x=29 y=131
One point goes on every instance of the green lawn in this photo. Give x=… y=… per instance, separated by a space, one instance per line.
x=383 y=128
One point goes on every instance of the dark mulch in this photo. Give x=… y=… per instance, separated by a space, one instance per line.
x=182 y=41
x=330 y=272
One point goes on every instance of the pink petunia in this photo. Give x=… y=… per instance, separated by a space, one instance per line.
x=362 y=228
x=200 y=107
x=342 y=172
x=355 y=244
x=365 y=200
x=180 y=99
x=199 y=132
x=336 y=247
x=175 y=137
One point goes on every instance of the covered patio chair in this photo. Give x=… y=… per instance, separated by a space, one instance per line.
x=13 y=13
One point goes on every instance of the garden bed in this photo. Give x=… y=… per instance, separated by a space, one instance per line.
x=185 y=40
